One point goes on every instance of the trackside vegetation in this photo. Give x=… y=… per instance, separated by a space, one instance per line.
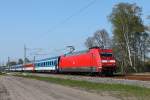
x=1 y=73
x=125 y=92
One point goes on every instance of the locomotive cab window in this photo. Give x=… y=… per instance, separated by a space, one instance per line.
x=106 y=54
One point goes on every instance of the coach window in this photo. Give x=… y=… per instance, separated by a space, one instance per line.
x=55 y=63
x=46 y=63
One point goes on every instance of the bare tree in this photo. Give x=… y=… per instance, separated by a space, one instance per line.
x=90 y=42
x=100 y=39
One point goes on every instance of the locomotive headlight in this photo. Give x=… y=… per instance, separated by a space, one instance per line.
x=113 y=61
x=104 y=61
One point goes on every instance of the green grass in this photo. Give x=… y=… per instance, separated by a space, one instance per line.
x=1 y=73
x=118 y=90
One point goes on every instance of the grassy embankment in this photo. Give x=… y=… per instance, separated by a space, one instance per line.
x=1 y=73
x=118 y=90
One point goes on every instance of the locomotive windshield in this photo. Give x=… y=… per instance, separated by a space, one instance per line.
x=106 y=54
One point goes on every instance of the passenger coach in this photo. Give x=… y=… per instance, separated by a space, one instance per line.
x=45 y=65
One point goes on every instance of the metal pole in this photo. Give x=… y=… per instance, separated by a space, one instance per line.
x=25 y=50
x=34 y=59
x=8 y=63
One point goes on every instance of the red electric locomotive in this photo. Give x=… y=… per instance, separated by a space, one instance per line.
x=94 y=60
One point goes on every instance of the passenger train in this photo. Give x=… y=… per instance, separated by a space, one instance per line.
x=94 y=60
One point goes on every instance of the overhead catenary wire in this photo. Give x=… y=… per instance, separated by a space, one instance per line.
x=71 y=16
x=59 y=26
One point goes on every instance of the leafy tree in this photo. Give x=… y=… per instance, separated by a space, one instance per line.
x=129 y=37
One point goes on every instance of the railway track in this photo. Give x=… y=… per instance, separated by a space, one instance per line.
x=137 y=80
x=140 y=76
x=134 y=77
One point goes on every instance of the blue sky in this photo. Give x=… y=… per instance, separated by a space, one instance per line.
x=37 y=23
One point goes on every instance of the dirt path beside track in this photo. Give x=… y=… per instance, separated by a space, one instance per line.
x=17 y=88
